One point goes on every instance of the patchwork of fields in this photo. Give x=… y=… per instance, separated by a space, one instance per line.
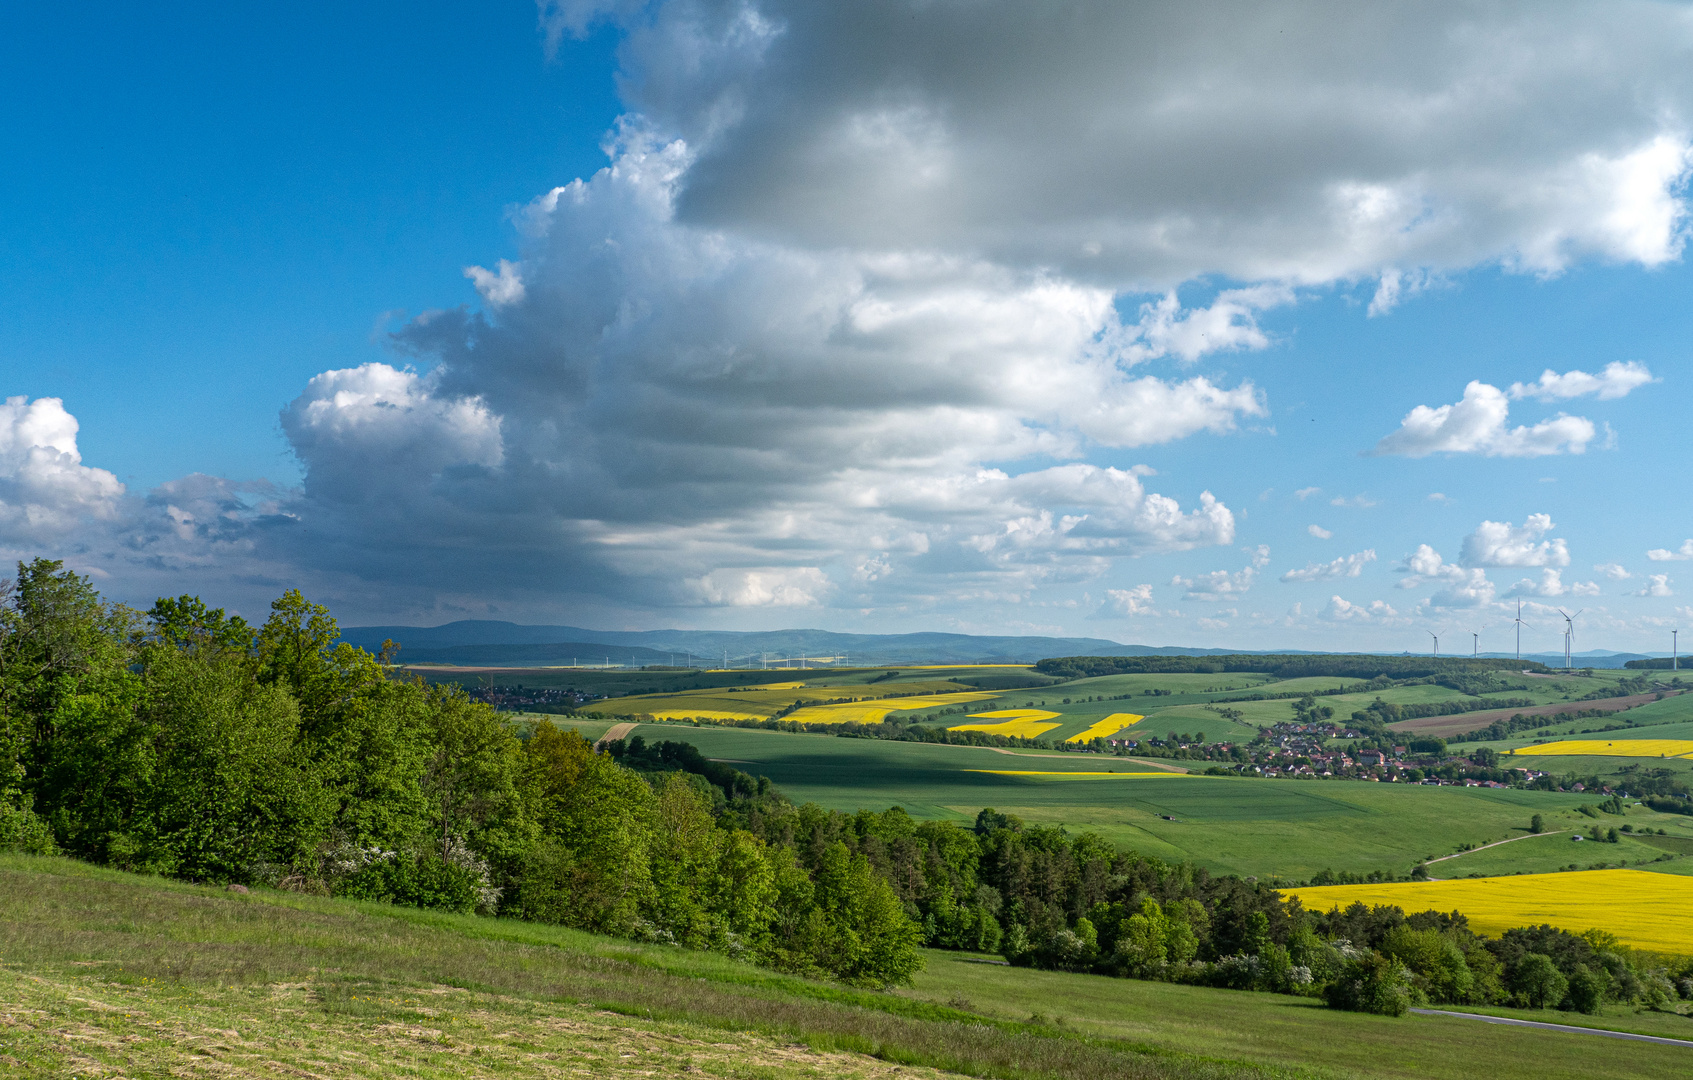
x=1268 y=828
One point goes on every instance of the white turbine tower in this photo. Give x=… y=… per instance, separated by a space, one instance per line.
x=1675 y=650
x=1475 y=646
x=1519 y=621
x=1436 y=638
x=1569 y=637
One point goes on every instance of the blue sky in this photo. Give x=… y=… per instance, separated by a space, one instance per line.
x=897 y=317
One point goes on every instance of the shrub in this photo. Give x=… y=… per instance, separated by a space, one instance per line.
x=1373 y=983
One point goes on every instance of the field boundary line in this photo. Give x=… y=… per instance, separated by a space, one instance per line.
x=1571 y=1028
x=1496 y=843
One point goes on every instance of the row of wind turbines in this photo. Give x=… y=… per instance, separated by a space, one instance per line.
x=1569 y=635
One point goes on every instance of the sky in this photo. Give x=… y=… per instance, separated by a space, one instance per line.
x=1297 y=326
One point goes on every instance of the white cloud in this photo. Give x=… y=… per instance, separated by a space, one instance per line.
x=1614 y=382
x=1437 y=497
x=1217 y=585
x=1465 y=588
x=1499 y=543
x=1229 y=322
x=1341 y=610
x=1305 y=493
x=773 y=586
x=1584 y=588
x=1685 y=551
x=1477 y=425
x=1345 y=566
x=45 y=490
x=1550 y=584
x=1362 y=502
x=1657 y=585
x=1474 y=590
x=1135 y=601
x=1260 y=555
x=1319 y=532
x=1613 y=571
x=497 y=288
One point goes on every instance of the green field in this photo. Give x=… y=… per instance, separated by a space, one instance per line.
x=106 y=974
x=1555 y=850
x=1267 y=828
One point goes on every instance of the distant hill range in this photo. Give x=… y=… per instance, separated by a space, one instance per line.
x=478 y=642
x=486 y=643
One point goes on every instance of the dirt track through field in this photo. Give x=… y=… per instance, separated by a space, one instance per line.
x=1459 y=723
x=614 y=733
x=1495 y=843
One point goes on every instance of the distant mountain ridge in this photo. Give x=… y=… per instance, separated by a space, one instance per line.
x=487 y=642
x=491 y=643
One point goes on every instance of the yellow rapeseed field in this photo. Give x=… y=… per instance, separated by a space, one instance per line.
x=874 y=712
x=1614 y=748
x=704 y=714
x=1016 y=723
x=1645 y=910
x=1108 y=727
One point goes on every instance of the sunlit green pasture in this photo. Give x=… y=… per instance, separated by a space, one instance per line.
x=1286 y=828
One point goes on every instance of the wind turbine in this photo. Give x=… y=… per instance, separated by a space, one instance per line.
x=1519 y=621
x=1436 y=638
x=1675 y=650
x=1569 y=636
x=1475 y=646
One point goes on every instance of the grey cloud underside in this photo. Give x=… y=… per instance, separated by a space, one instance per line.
x=1143 y=145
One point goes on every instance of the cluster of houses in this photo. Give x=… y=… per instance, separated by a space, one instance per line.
x=1299 y=749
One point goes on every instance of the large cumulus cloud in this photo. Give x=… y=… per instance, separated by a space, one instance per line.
x=681 y=414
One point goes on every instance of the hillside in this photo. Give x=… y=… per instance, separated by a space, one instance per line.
x=110 y=974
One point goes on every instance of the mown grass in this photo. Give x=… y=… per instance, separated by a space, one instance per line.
x=113 y=974
x=1277 y=1029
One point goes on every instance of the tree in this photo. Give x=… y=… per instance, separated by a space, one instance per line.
x=470 y=776
x=1536 y=983
x=1537 y=824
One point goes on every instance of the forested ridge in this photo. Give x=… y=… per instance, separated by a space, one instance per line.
x=185 y=742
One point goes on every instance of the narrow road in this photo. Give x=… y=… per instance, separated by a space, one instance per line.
x=614 y=733
x=1555 y=1027
x=1496 y=843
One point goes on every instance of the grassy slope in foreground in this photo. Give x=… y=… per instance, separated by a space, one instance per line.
x=112 y=974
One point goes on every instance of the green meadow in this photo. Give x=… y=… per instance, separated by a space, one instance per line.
x=1266 y=828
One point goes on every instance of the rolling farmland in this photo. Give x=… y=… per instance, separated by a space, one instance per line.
x=1287 y=828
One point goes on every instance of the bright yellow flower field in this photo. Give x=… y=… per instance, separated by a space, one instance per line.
x=1614 y=748
x=1645 y=910
x=1108 y=727
x=1016 y=723
x=874 y=712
